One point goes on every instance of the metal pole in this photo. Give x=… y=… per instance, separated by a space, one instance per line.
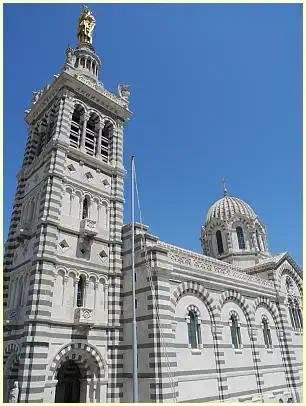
x=134 y=332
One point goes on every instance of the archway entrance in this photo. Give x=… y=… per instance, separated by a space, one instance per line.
x=68 y=387
x=10 y=377
x=77 y=374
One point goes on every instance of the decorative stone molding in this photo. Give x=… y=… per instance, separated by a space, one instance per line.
x=76 y=275
x=235 y=296
x=252 y=332
x=10 y=315
x=83 y=352
x=196 y=289
x=184 y=257
x=88 y=228
x=88 y=81
x=271 y=307
x=24 y=232
x=83 y=316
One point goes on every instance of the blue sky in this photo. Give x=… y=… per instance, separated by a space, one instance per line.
x=216 y=92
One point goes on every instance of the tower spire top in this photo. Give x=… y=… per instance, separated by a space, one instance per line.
x=224 y=187
x=86 y=25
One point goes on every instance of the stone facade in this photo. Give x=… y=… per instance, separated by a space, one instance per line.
x=214 y=370
x=68 y=285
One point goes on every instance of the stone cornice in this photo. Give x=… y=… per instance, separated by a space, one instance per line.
x=274 y=262
x=198 y=261
x=95 y=162
x=94 y=93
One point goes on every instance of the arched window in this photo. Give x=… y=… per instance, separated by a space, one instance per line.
x=85 y=211
x=235 y=331
x=266 y=333
x=292 y=314
x=80 y=291
x=288 y=284
x=31 y=210
x=194 y=330
x=219 y=242
x=258 y=240
x=240 y=237
x=19 y=292
x=298 y=315
x=75 y=128
x=40 y=143
x=106 y=140
x=91 y=134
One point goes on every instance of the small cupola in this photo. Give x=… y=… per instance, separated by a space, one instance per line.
x=234 y=233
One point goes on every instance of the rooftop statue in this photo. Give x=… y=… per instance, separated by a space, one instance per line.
x=86 y=25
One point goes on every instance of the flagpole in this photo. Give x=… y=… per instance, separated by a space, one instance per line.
x=134 y=331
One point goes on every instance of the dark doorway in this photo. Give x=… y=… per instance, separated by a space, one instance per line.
x=68 y=383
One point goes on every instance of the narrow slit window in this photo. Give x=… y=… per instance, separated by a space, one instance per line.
x=105 y=142
x=75 y=128
x=240 y=237
x=194 y=330
x=266 y=333
x=298 y=315
x=219 y=242
x=235 y=332
x=85 y=211
x=91 y=135
x=291 y=314
x=258 y=240
x=80 y=292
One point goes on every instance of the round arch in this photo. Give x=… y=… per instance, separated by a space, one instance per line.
x=233 y=295
x=286 y=270
x=83 y=354
x=11 y=359
x=80 y=103
x=196 y=289
x=271 y=307
x=110 y=120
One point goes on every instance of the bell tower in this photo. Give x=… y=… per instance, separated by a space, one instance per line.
x=62 y=267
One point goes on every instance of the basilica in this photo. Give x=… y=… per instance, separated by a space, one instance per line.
x=224 y=326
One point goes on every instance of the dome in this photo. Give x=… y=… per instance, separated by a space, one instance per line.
x=226 y=207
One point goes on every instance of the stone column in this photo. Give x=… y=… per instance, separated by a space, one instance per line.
x=94 y=389
x=99 y=140
x=106 y=296
x=81 y=199
x=64 y=289
x=85 y=300
x=262 y=242
x=254 y=241
x=76 y=281
x=83 y=136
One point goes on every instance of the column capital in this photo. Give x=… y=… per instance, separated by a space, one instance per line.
x=85 y=116
x=101 y=125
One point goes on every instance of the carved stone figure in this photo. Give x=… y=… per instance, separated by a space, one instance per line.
x=13 y=395
x=124 y=91
x=36 y=96
x=86 y=26
x=69 y=53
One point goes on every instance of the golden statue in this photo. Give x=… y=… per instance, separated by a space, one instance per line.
x=86 y=25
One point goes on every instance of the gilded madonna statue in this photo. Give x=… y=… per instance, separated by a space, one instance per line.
x=86 y=25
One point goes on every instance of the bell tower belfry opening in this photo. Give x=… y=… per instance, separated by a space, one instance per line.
x=62 y=266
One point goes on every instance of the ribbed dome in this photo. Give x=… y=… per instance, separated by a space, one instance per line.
x=226 y=207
